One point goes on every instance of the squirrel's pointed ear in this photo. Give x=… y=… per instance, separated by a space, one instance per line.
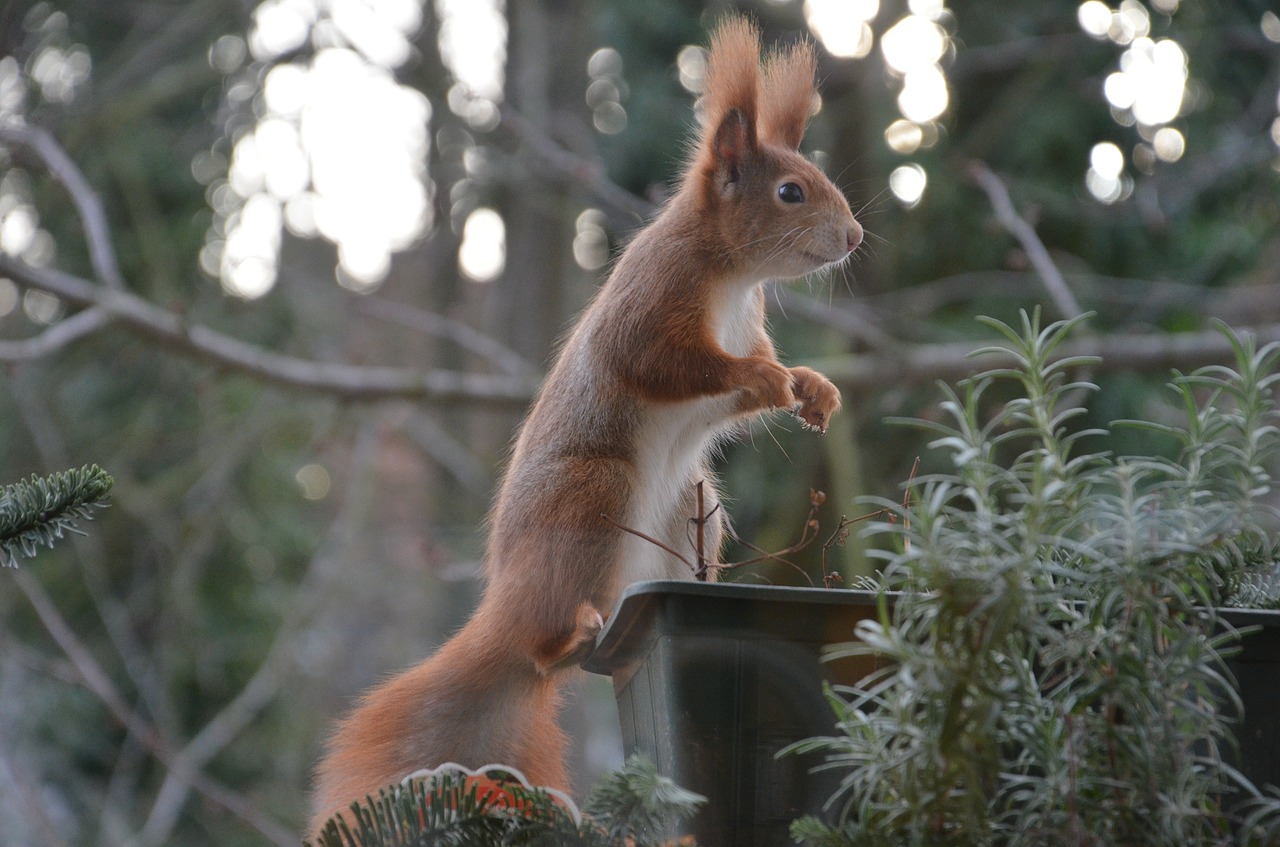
x=733 y=144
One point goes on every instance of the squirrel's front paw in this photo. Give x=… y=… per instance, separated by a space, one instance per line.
x=818 y=398
x=766 y=384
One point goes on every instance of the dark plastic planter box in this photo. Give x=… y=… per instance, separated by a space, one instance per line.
x=1257 y=671
x=712 y=680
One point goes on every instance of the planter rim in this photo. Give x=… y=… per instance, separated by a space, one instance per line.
x=1242 y=616
x=745 y=591
x=612 y=642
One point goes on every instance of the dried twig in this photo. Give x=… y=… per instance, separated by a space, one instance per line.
x=807 y=535
x=699 y=522
x=840 y=535
x=655 y=542
x=830 y=579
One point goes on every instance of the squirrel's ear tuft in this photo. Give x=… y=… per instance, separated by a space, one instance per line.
x=786 y=101
x=732 y=81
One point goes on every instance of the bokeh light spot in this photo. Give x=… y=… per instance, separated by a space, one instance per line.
x=908 y=182
x=843 y=26
x=314 y=481
x=904 y=136
x=482 y=255
x=1169 y=144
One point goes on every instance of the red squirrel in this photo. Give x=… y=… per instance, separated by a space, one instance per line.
x=671 y=356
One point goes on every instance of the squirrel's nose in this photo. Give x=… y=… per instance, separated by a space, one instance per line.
x=853 y=235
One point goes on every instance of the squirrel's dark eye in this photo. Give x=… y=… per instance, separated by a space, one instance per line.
x=790 y=192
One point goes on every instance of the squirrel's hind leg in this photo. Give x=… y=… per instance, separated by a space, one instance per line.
x=579 y=643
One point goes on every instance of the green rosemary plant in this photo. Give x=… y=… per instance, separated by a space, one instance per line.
x=1056 y=661
x=38 y=512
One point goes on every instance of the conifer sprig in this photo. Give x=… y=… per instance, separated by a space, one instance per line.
x=632 y=807
x=39 y=511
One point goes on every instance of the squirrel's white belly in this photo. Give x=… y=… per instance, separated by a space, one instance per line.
x=673 y=440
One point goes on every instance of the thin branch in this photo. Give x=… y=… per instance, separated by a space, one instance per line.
x=314 y=588
x=56 y=337
x=429 y=323
x=700 y=525
x=92 y=216
x=50 y=442
x=98 y=682
x=766 y=556
x=655 y=542
x=219 y=732
x=852 y=323
x=110 y=301
x=1019 y=228
x=1256 y=300
x=588 y=173
x=26 y=798
x=350 y=382
x=442 y=446
x=807 y=534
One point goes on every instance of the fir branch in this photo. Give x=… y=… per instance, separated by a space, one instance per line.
x=40 y=511
x=633 y=807
x=637 y=805
x=451 y=808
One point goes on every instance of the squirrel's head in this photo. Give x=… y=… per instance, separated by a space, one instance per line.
x=770 y=208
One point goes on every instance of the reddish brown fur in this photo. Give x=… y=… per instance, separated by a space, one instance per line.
x=732 y=79
x=668 y=358
x=787 y=95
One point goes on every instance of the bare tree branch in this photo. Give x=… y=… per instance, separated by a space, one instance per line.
x=25 y=797
x=898 y=365
x=334 y=553
x=1019 y=228
x=340 y=380
x=32 y=401
x=89 y=207
x=56 y=337
x=99 y=682
x=114 y=303
x=429 y=323
x=437 y=442
x=585 y=172
x=847 y=321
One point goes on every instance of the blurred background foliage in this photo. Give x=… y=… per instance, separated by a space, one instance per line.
x=439 y=187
